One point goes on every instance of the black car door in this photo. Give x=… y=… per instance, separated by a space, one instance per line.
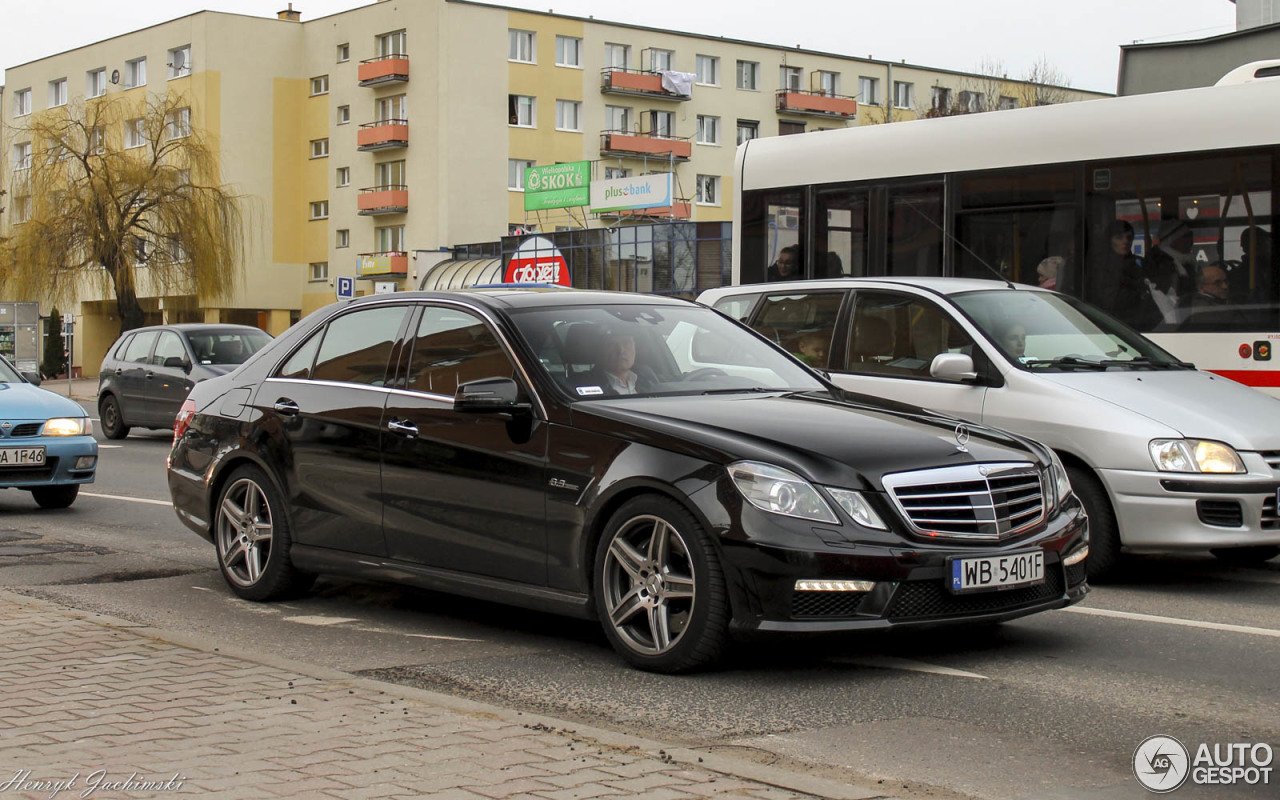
x=323 y=409
x=462 y=491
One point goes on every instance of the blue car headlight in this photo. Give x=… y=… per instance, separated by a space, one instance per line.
x=67 y=426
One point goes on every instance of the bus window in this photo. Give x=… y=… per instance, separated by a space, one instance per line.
x=772 y=222
x=840 y=243
x=1011 y=222
x=915 y=230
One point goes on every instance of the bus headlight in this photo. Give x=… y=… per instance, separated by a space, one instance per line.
x=1195 y=455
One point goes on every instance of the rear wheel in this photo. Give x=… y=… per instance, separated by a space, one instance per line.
x=55 y=496
x=1247 y=556
x=1104 y=535
x=252 y=536
x=113 y=426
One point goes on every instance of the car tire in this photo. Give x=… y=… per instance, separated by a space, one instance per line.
x=1104 y=535
x=252 y=536
x=113 y=426
x=660 y=591
x=55 y=496
x=1246 y=556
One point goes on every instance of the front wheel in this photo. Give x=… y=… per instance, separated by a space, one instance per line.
x=1246 y=556
x=55 y=496
x=1104 y=534
x=113 y=426
x=660 y=589
x=252 y=536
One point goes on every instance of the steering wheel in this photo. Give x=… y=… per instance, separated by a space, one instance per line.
x=705 y=372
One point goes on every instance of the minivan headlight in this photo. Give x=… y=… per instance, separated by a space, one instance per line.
x=780 y=491
x=1195 y=455
x=67 y=426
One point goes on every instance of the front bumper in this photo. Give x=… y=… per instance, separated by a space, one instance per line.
x=59 y=468
x=1167 y=510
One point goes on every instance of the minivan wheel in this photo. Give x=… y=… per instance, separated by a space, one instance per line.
x=1246 y=556
x=251 y=533
x=113 y=426
x=1104 y=535
x=659 y=588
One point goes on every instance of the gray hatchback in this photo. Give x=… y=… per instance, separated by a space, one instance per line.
x=148 y=372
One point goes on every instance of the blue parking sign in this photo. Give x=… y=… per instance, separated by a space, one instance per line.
x=346 y=288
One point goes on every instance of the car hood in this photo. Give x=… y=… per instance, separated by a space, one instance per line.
x=826 y=438
x=25 y=401
x=1195 y=404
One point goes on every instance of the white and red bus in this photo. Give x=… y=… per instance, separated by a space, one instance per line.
x=1191 y=176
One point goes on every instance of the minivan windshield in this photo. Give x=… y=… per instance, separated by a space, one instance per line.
x=1051 y=332
x=593 y=352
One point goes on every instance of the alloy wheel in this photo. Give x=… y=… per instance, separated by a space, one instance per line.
x=648 y=585
x=244 y=532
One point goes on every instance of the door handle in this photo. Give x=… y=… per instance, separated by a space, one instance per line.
x=286 y=407
x=150 y=375
x=405 y=429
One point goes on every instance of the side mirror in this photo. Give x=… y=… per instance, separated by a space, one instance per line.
x=32 y=377
x=178 y=362
x=953 y=367
x=488 y=396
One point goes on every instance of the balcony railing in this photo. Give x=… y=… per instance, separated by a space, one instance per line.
x=818 y=104
x=383 y=134
x=390 y=199
x=384 y=264
x=392 y=68
x=645 y=83
x=631 y=143
x=678 y=210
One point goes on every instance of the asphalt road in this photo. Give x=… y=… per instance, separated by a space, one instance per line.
x=1050 y=706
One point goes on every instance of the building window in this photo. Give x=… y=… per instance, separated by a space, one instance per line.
x=22 y=102
x=708 y=70
x=904 y=94
x=568 y=115
x=22 y=155
x=786 y=127
x=515 y=173
x=869 y=91
x=389 y=175
x=612 y=173
x=344 y=176
x=319 y=85
x=134 y=136
x=521 y=46
x=708 y=130
x=319 y=148
x=177 y=123
x=343 y=238
x=344 y=115
x=390 y=239
x=135 y=73
x=1007 y=102
x=320 y=209
x=95 y=84
x=789 y=78
x=58 y=92
x=522 y=110
x=708 y=190
x=941 y=99
x=829 y=83
x=344 y=52
x=393 y=44
x=568 y=51
x=617 y=118
x=394 y=107
x=319 y=270
x=660 y=60
x=749 y=75
x=972 y=101
x=21 y=210
x=748 y=130
x=179 y=62
x=616 y=56
x=97 y=140
x=662 y=123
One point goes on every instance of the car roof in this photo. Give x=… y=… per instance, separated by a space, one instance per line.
x=194 y=327
x=531 y=297
x=945 y=286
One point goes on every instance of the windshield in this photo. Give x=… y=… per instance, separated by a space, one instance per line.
x=605 y=351
x=226 y=347
x=1053 y=332
x=7 y=373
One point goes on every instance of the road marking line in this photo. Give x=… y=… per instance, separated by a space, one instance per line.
x=320 y=620
x=110 y=446
x=167 y=503
x=202 y=588
x=889 y=662
x=1186 y=623
x=430 y=636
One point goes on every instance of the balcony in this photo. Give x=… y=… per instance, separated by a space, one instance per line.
x=383 y=134
x=387 y=264
x=640 y=145
x=384 y=69
x=642 y=83
x=377 y=200
x=680 y=210
x=817 y=104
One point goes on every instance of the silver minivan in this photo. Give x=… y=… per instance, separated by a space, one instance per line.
x=1163 y=456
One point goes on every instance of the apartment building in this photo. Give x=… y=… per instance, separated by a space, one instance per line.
x=367 y=142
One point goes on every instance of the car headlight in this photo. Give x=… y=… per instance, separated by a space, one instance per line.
x=1058 y=477
x=780 y=491
x=67 y=426
x=1194 y=455
x=856 y=506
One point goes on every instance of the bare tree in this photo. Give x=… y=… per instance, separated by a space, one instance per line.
x=1044 y=85
x=124 y=202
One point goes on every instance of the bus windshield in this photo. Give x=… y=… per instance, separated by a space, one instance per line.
x=1052 y=332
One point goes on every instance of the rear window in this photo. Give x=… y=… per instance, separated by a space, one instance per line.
x=226 y=346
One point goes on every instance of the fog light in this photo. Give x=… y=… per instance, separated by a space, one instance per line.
x=1079 y=555
x=85 y=462
x=835 y=586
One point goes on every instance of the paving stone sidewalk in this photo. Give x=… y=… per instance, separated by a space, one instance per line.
x=130 y=712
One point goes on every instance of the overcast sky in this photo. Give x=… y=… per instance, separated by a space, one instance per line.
x=1081 y=38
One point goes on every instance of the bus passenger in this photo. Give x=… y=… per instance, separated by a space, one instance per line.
x=1117 y=286
x=787 y=267
x=1048 y=271
x=1170 y=268
x=1210 y=308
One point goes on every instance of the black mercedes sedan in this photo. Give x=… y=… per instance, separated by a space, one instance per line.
x=642 y=460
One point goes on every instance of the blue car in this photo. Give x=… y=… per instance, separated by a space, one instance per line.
x=46 y=441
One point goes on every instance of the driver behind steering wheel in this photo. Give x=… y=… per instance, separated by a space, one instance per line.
x=614 y=369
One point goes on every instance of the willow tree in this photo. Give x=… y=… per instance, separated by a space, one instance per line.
x=125 y=198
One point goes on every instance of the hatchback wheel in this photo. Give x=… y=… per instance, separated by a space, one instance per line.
x=660 y=590
x=251 y=533
x=55 y=496
x=113 y=426
x=1246 y=556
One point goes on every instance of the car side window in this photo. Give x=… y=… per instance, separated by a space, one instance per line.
x=738 y=306
x=139 y=350
x=118 y=352
x=900 y=335
x=357 y=347
x=168 y=346
x=802 y=323
x=299 y=364
x=452 y=347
